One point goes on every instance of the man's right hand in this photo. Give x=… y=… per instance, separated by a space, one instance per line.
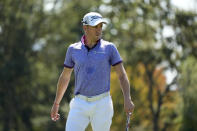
x=54 y=112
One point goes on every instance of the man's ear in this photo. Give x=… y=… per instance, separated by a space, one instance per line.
x=85 y=28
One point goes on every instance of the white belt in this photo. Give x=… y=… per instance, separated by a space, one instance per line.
x=93 y=98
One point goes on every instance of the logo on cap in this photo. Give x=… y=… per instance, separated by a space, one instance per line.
x=95 y=17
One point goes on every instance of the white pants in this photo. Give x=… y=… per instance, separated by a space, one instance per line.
x=99 y=113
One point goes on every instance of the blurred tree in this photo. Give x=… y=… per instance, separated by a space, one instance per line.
x=185 y=26
x=16 y=40
x=187 y=82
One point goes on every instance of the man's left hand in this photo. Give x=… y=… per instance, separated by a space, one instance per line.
x=128 y=105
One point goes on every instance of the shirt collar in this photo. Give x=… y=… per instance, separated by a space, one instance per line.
x=83 y=38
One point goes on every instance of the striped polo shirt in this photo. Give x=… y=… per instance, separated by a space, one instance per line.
x=92 y=67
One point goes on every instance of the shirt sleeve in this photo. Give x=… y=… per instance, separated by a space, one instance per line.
x=115 y=56
x=68 y=62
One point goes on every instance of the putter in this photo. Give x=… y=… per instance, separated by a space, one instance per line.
x=128 y=121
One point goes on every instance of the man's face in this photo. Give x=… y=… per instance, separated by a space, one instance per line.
x=94 y=32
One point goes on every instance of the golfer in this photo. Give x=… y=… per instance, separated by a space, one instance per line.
x=91 y=58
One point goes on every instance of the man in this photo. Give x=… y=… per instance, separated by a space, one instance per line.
x=91 y=59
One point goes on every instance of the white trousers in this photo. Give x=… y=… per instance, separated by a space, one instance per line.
x=99 y=113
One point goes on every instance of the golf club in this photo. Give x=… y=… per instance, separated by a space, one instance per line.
x=128 y=121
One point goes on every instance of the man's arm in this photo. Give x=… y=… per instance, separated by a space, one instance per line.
x=61 y=88
x=125 y=86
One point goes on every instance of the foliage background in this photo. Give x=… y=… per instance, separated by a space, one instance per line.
x=35 y=34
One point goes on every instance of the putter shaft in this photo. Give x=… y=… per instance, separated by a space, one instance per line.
x=128 y=121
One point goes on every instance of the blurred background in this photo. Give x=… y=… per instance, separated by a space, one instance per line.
x=156 y=38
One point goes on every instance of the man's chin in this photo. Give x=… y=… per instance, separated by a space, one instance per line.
x=98 y=37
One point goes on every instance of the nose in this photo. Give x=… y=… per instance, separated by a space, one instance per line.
x=98 y=29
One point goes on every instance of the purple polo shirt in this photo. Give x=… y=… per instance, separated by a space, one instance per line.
x=92 y=67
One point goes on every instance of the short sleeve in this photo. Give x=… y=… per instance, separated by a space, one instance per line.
x=115 y=56
x=68 y=62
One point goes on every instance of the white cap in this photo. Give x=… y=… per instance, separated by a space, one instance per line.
x=93 y=19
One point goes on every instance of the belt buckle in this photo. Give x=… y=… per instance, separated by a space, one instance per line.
x=89 y=99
